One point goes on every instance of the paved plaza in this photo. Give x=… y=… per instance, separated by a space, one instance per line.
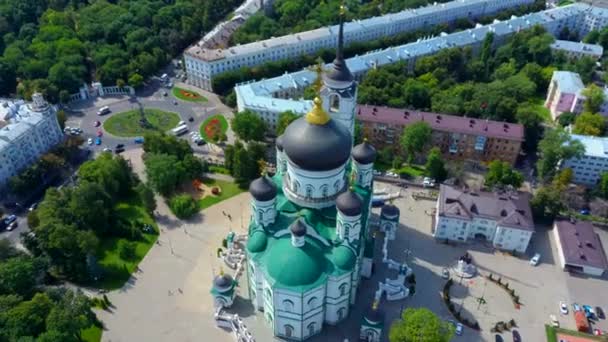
x=169 y=300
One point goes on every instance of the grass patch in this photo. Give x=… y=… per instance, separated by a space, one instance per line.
x=219 y=169
x=126 y=124
x=115 y=269
x=91 y=334
x=564 y=2
x=411 y=171
x=553 y=331
x=188 y=95
x=207 y=127
x=229 y=189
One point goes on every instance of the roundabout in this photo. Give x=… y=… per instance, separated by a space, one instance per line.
x=132 y=123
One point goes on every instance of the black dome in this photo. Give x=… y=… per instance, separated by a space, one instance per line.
x=374 y=315
x=364 y=153
x=349 y=203
x=338 y=75
x=279 y=142
x=389 y=210
x=262 y=189
x=298 y=228
x=317 y=147
x=222 y=281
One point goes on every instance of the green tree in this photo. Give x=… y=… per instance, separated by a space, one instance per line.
x=595 y=98
x=165 y=173
x=167 y=144
x=248 y=126
x=566 y=119
x=435 y=166
x=414 y=138
x=71 y=314
x=126 y=249
x=589 y=124
x=501 y=174
x=112 y=173
x=18 y=276
x=183 y=206
x=61 y=118
x=556 y=145
x=285 y=119
x=420 y=325
x=136 y=80
x=27 y=318
x=146 y=196
x=603 y=185
x=547 y=203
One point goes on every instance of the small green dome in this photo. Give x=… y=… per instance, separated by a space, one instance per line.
x=294 y=266
x=344 y=258
x=257 y=242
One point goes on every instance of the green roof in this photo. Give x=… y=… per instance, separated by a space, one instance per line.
x=292 y=266
x=344 y=258
x=257 y=242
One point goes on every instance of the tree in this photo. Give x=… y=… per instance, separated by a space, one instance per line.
x=70 y=315
x=501 y=174
x=566 y=119
x=61 y=118
x=285 y=119
x=112 y=173
x=18 y=276
x=146 y=196
x=420 y=325
x=547 y=203
x=248 y=126
x=126 y=249
x=589 y=124
x=563 y=178
x=165 y=173
x=603 y=185
x=167 y=144
x=594 y=98
x=435 y=166
x=414 y=138
x=556 y=145
x=136 y=80
x=183 y=206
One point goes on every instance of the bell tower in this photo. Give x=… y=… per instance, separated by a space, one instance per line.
x=339 y=89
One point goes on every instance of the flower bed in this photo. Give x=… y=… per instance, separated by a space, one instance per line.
x=216 y=124
x=448 y=302
x=188 y=95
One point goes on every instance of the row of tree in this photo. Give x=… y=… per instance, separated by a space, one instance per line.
x=55 y=46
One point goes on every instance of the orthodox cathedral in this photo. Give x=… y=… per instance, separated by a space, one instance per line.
x=308 y=242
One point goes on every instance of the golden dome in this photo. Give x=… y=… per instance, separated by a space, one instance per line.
x=317 y=116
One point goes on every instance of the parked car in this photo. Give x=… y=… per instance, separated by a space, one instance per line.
x=459 y=329
x=33 y=207
x=103 y=110
x=191 y=119
x=120 y=146
x=10 y=219
x=97 y=141
x=97 y=123
x=139 y=140
x=119 y=150
x=12 y=226
x=428 y=182
x=181 y=123
x=516 y=336
x=100 y=133
x=600 y=313
x=165 y=93
x=90 y=141
x=563 y=308
x=535 y=259
x=107 y=149
x=554 y=321
x=576 y=307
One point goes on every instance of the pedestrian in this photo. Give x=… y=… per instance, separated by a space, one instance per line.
x=180 y=290
x=223 y=213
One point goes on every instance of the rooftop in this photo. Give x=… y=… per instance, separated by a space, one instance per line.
x=511 y=209
x=441 y=122
x=568 y=82
x=578 y=47
x=580 y=244
x=16 y=119
x=594 y=146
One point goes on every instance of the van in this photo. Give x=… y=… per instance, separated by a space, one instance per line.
x=103 y=110
x=179 y=130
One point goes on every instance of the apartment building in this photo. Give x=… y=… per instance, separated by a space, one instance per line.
x=503 y=219
x=579 y=248
x=27 y=130
x=565 y=94
x=574 y=50
x=272 y=96
x=459 y=138
x=203 y=63
x=588 y=169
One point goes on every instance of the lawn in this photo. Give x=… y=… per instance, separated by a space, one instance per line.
x=411 y=171
x=127 y=124
x=229 y=189
x=207 y=127
x=91 y=334
x=219 y=169
x=116 y=270
x=188 y=95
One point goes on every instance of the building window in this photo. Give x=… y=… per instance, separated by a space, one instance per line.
x=312 y=302
x=341 y=314
x=288 y=305
x=311 y=329
x=343 y=288
x=334 y=103
x=324 y=190
x=288 y=330
x=309 y=191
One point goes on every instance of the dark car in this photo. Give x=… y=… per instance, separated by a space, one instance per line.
x=191 y=119
x=498 y=338
x=516 y=336
x=119 y=150
x=10 y=219
x=120 y=146
x=599 y=313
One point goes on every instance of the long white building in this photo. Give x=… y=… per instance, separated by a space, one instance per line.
x=202 y=63
x=588 y=169
x=270 y=97
x=27 y=130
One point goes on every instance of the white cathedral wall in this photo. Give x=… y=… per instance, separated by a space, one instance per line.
x=308 y=307
x=363 y=174
x=321 y=184
x=264 y=212
x=353 y=223
x=338 y=294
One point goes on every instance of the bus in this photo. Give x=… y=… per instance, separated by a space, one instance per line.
x=179 y=130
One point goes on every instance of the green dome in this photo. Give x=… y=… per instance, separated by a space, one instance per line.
x=294 y=266
x=257 y=242
x=344 y=258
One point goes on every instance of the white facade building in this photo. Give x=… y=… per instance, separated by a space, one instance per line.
x=578 y=49
x=27 y=130
x=588 y=169
x=505 y=220
x=270 y=97
x=202 y=63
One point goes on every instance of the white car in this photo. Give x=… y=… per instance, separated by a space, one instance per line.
x=107 y=149
x=563 y=308
x=90 y=141
x=428 y=182
x=181 y=123
x=554 y=321
x=459 y=329
x=535 y=259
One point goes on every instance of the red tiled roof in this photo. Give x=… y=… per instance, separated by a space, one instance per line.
x=441 y=122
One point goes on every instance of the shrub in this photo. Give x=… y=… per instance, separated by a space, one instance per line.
x=215 y=190
x=126 y=249
x=183 y=206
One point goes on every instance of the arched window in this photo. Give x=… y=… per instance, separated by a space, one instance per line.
x=337 y=186
x=311 y=329
x=334 y=103
x=288 y=330
x=309 y=190
x=295 y=186
x=341 y=314
x=324 y=190
x=288 y=305
x=343 y=287
x=312 y=302
x=268 y=295
x=260 y=216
